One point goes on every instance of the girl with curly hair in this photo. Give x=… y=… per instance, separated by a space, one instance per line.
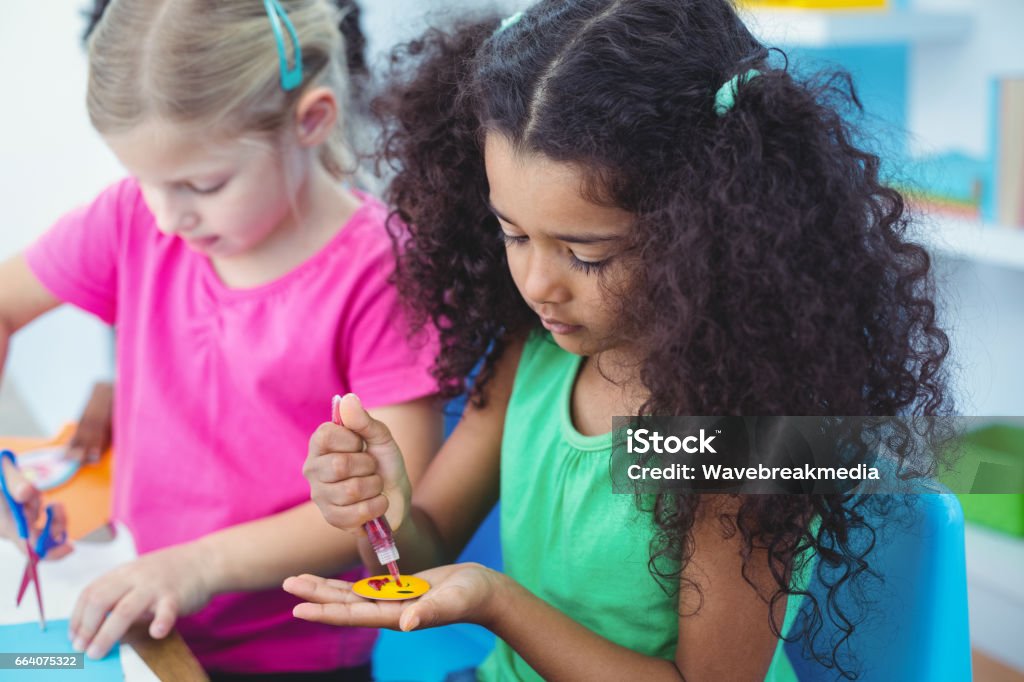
x=623 y=208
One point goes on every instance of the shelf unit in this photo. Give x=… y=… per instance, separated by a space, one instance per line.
x=863 y=28
x=954 y=49
x=974 y=241
x=995 y=592
x=946 y=236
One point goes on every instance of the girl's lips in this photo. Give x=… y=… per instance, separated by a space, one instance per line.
x=557 y=327
x=201 y=243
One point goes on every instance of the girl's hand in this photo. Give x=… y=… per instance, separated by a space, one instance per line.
x=160 y=586
x=351 y=484
x=93 y=436
x=459 y=593
x=31 y=501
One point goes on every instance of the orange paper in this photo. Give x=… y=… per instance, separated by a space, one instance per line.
x=86 y=496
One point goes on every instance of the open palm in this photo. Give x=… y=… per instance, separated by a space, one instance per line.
x=458 y=593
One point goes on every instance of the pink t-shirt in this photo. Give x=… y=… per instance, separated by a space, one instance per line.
x=219 y=390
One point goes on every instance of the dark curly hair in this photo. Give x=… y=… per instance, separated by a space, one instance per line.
x=773 y=275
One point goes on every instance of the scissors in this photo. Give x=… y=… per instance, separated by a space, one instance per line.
x=44 y=543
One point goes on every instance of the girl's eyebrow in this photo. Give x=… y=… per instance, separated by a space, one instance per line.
x=583 y=238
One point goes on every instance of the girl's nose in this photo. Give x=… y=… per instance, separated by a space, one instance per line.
x=172 y=215
x=543 y=282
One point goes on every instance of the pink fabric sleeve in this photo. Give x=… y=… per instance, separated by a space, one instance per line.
x=77 y=258
x=384 y=365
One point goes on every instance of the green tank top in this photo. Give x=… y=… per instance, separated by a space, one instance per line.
x=565 y=536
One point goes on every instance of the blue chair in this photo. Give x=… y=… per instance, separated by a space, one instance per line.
x=916 y=626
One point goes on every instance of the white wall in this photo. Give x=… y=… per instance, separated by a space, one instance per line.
x=50 y=160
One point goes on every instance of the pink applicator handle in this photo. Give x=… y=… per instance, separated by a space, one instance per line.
x=378 y=530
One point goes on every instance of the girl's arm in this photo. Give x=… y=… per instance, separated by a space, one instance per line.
x=251 y=556
x=729 y=638
x=456 y=494
x=726 y=635
x=22 y=299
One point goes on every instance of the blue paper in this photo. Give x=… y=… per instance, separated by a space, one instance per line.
x=27 y=638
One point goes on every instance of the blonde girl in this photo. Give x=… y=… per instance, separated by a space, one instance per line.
x=248 y=283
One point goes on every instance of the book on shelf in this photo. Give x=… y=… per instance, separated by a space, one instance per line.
x=1005 y=203
x=950 y=184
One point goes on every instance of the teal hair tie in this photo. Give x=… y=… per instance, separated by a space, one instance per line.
x=725 y=98
x=291 y=78
x=509 y=21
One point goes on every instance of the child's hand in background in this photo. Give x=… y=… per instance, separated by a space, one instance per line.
x=352 y=486
x=161 y=585
x=93 y=435
x=31 y=500
x=459 y=593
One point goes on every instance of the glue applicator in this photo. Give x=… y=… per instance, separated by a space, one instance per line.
x=378 y=530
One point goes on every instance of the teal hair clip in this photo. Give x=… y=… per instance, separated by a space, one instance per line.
x=725 y=98
x=291 y=78
x=509 y=21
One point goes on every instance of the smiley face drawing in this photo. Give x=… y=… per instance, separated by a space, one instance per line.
x=383 y=587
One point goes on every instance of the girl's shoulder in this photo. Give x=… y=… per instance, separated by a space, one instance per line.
x=369 y=222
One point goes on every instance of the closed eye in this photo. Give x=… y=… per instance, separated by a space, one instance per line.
x=511 y=239
x=586 y=266
x=575 y=263
x=198 y=189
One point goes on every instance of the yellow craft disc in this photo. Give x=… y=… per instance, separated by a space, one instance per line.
x=384 y=587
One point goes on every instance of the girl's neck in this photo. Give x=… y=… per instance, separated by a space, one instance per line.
x=322 y=207
x=606 y=386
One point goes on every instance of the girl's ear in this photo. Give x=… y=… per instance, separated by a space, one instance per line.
x=315 y=116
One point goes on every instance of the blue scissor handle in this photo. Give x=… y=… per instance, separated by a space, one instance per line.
x=45 y=542
x=16 y=509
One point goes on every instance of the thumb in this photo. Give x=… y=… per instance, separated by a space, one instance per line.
x=26 y=494
x=355 y=418
x=421 y=615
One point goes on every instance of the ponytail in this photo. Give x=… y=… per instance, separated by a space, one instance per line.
x=92 y=17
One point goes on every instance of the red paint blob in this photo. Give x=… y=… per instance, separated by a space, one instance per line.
x=378 y=584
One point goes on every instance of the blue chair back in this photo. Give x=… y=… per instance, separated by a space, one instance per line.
x=915 y=627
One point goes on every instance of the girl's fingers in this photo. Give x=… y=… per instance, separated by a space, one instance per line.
x=164 y=616
x=330 y=437
x=320 y=590
x=360 y=614
x=411 y=619
x=331 y=614
x=127 y=610
x=437 y=607
x=60 y=552
x=25 y=494
x=356 y=418
x=352 y=516
x=334 y=467
x=91 y=609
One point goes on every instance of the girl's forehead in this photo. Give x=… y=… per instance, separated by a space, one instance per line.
x=534 y=191
x=160 y=148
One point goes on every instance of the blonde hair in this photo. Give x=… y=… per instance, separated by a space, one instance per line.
x=214 y=64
